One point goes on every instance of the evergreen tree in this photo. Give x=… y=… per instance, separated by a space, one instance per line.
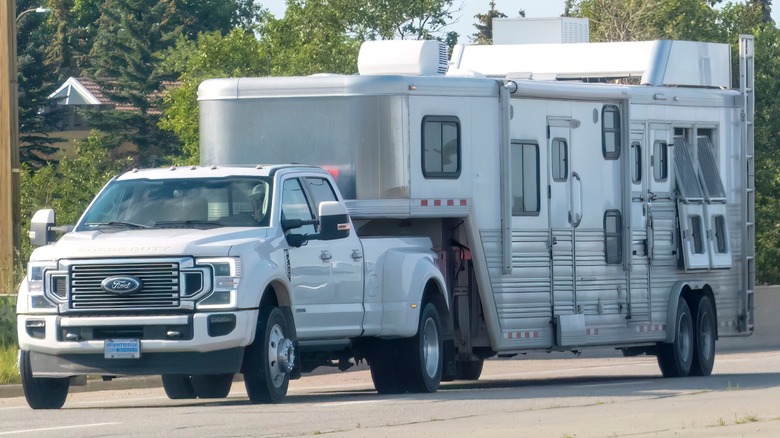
x=484 y=25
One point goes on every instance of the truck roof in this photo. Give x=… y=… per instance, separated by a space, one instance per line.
x=175 y=172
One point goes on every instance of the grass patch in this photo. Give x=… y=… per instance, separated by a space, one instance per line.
x=9 y=373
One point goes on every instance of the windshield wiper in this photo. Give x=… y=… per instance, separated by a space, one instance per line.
x=117 y=224
x=186 y=224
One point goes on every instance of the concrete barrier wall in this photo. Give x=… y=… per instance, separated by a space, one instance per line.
x=766 y=333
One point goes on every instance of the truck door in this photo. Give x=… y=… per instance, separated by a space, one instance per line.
x=564 y=213
x=326 y=277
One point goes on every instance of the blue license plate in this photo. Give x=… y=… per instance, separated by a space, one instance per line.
x=122 y=349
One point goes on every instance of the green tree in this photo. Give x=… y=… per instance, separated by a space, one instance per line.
x=213 y=55
x=35 y=85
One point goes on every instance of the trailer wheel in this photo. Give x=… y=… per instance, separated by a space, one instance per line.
x=41 y=392
x=425 y=351
x=386 y=367
x=469 y=370
x=704 y=330
x=212 y=386
x=675 y=358
x=178 y=386
x=269 y=360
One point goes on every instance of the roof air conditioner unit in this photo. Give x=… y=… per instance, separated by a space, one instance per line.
x=403 y=57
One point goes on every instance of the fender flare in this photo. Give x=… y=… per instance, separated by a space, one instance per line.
x=680 y=288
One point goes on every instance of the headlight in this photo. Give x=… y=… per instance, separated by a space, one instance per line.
x=227 y=274
x=36 y=280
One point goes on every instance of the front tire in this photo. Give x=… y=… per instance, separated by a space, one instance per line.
x=675 y=359
x=178 y=386
x=212 y=386
x=704 y=331
x=41 y=392
x=269 y=360
x=426 y=358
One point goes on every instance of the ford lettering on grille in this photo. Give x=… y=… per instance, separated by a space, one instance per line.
x=121 y=285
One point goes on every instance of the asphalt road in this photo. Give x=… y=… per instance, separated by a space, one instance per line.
x=576 y=397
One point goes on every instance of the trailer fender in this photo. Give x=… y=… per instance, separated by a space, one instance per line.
x=407 y=274
x=680 y=288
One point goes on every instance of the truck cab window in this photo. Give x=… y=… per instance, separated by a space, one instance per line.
x=296 y=206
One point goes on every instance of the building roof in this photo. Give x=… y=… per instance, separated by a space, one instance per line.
x=85 y=91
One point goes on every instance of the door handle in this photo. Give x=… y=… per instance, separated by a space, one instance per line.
x=356 y=254
x=325 y=255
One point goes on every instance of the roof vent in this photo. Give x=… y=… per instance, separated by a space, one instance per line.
x=403 y=57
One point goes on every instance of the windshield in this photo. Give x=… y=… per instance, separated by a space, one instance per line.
x=181 y=203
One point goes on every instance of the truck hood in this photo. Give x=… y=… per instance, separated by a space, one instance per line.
x=215 y=242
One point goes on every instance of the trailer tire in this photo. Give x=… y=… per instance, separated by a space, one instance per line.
x=675 y=358
x=269 y=359
x=469 y=370
x=212 y=385
x=386 y=367
x=425 y=352
x=704 y=332
x=41 y=392
x=178 y=386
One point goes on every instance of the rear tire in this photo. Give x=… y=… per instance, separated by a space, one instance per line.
x=178 y=386
x=212 y=386
x=386 y=367
x=469 y=370
x=704 y=331
x=269 y=360
x=675 y=359
x=41 y=392
x=426 y=352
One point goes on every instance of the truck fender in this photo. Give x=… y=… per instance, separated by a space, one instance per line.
x=405 y=276
x=683 y=288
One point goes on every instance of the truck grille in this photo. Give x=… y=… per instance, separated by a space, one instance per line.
x=160 y=286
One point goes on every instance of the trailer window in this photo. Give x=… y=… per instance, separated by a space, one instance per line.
x=636 y=159
x=613 y=237
x=721 y=243
x=660 y=161
x=559 y=159
x=441 y=147
x=610 y=132
x=697 y=237
x=525 y=179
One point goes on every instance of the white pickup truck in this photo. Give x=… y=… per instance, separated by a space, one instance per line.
x=199 y=273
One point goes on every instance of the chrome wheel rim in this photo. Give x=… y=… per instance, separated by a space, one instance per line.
x=430 y=346
x=281 y=355
x=684 y=338
x=706 y=335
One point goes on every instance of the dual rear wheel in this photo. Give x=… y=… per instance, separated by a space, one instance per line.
x=692 y=353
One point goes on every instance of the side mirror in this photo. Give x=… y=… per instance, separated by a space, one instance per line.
x=41 y=232
x=334 y=221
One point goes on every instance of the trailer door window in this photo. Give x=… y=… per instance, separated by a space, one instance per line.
x=613 y=237
x=636 y=159
x=697 y=237
x=610 y=132
x=441 y=146
x=525 y=179
x=559 y=160
x=660 y=161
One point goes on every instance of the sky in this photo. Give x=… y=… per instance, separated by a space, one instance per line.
x=465 y=18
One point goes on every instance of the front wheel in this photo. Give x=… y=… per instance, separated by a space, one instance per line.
x=41 y=392
x=212 y=386
x=704 y=332
x=425 y=352
x=269 y=360
x=675 y=359
x=178 y=386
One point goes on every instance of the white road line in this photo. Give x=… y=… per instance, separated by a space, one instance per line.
x=348 y=403
x=46 y=429
x=110 y=401
x=594 y=385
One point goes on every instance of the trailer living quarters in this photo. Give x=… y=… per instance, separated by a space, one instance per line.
x=578 y=195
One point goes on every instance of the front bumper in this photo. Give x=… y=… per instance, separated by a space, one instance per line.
x=199 y=343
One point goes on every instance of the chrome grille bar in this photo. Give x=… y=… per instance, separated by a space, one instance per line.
x=160 y=288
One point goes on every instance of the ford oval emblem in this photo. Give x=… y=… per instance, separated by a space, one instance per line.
x=121 y=285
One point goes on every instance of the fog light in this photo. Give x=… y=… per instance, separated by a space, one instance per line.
x=36 y=328
x=221 y=324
